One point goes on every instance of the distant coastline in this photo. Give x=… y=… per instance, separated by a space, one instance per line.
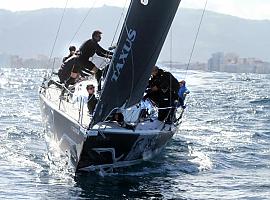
x=226 y=62
x=23 y=34
x=219 y=62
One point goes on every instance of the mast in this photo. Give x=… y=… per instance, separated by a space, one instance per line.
x=142 y=36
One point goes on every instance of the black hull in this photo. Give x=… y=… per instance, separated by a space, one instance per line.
x=100 y=148
x=110 y=148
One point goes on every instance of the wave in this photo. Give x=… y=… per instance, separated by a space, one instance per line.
x=264 y=100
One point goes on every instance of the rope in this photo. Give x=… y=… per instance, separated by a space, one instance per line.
x=89 y=11
x=118 y=24
x=117 y=28
x=79 y=27
x=191 y=53
x=196 y=37
x=171 y=46
x=171 y=49
x=56 y=37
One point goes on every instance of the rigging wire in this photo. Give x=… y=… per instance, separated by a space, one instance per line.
x=91 y=123
x=57 y=34
x=80 y=25
x=56 y=37
x=196 y=37
x=171 y=46
x=120 y=18
x=171 y=49
x=106 y=61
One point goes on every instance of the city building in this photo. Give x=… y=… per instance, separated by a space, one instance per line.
x=231 y=62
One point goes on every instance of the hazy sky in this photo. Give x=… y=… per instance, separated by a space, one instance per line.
x=251 y=9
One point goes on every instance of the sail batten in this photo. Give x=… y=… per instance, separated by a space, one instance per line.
x=143 y=34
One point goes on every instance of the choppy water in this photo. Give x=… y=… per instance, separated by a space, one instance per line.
x=221 y=151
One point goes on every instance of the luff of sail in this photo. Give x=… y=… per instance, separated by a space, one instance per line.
x=142 y=36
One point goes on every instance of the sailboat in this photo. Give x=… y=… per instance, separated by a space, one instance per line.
x=96 y=142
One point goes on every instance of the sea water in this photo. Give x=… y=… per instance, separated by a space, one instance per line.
x=221 y=150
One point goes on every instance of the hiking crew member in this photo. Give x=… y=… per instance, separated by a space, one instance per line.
x=86 y=51
x=74 y=66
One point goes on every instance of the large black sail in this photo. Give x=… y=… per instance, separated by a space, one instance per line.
x=144 y=31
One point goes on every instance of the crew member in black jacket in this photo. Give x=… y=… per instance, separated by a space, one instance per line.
x=163 y=90
x=92 y=100
x=78 y=65
x=87 y=50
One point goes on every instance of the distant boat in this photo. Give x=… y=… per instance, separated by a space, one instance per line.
x=95 y=142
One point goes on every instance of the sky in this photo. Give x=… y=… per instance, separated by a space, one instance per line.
x=249 y=9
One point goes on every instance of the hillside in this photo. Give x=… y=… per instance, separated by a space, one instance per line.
x=31 y=33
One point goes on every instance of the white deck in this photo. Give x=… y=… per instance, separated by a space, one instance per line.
x=75 y=108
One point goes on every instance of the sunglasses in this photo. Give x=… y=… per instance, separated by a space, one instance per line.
x=91 y=88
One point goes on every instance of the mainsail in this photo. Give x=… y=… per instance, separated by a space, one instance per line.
x=142 y=36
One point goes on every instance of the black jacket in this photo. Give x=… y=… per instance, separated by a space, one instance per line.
x=165 y=81
x=167 y=85
x=90 y=47
x=66 y=69
x=67 y=57
x=91 y=104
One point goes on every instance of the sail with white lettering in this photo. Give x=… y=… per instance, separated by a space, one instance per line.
x=142 y=36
